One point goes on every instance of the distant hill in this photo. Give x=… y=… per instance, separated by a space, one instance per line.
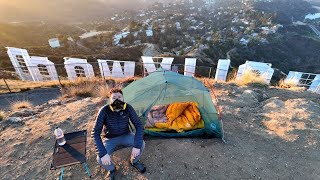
x=63 y=10
x=286 y=10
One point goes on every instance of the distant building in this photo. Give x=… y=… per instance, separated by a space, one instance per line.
x=244 y=41
x=178 y=26
x=54 y=42
x=119 y=36
x=149 y=33
x=209 y=2
x=313 y=16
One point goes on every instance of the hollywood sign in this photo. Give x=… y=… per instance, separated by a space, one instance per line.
x=35 y=68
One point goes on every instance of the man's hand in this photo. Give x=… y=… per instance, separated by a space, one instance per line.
x=106 y=160
x=135 y=153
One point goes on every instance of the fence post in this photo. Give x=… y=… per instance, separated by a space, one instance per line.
x=7 y=85
x=59 y=81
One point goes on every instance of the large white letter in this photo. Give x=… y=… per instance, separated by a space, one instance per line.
x=149 y=64
x=190 y=66
x=117 y=72
x=315 y=86
x=76 y=67
x=222 y=69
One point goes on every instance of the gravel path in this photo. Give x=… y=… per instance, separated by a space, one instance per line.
x=35 y=96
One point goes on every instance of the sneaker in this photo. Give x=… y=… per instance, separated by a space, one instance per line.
x=111 y=174
x=139 y=166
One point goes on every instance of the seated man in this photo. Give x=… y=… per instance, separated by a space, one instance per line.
x=115 y=119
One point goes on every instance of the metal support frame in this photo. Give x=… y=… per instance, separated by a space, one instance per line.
x=87 y=169
x=61 y=174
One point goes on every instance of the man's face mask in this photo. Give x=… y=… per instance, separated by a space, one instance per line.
x=116 y=101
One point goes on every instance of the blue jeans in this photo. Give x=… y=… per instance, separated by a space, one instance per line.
x=117 y=143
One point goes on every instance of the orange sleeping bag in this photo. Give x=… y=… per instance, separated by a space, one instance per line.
x=182 y=116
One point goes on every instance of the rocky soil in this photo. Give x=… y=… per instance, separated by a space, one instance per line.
x=270 y=133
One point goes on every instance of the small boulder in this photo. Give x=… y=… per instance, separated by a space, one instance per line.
x=14 y=120
x=54 y=102
x=273 y=104
x=23 y=113
x=250 y=96
x=247 y=99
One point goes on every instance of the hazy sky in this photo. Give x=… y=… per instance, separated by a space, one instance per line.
x=21 y=10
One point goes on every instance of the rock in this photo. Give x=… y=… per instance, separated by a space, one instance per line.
x=250 y=94
x=87 y=99
x=307 y=105
x=273 y=104
x=247 y=98
x=260 y=95
x=54 y=102
x=23 y=113
x=14 y=119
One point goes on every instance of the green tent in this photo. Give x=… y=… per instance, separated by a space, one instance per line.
x=165 y=87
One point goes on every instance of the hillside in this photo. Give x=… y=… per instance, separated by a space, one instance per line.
x=270 y=133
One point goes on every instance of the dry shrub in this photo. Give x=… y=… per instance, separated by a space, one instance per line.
x=86 y=90
x=85 y=87
x=20 y=105
x=2 y=115
x=103 y=91
x=287 y=84
x=251 y=78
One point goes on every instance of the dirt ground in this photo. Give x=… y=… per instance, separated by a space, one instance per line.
x=270 y=133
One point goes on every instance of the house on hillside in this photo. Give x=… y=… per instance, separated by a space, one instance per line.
x=178 y=26
x=244 y=41
x=119 y=36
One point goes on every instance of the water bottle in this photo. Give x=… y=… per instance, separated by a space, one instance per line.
x=59 y=136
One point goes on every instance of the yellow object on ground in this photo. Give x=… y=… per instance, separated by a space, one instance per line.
x=181 y=117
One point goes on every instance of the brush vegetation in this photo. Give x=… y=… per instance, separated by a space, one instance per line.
x=2 y=115
x=20 y=105
x=92 y=87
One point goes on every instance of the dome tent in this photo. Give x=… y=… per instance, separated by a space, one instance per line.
x=164 y=87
